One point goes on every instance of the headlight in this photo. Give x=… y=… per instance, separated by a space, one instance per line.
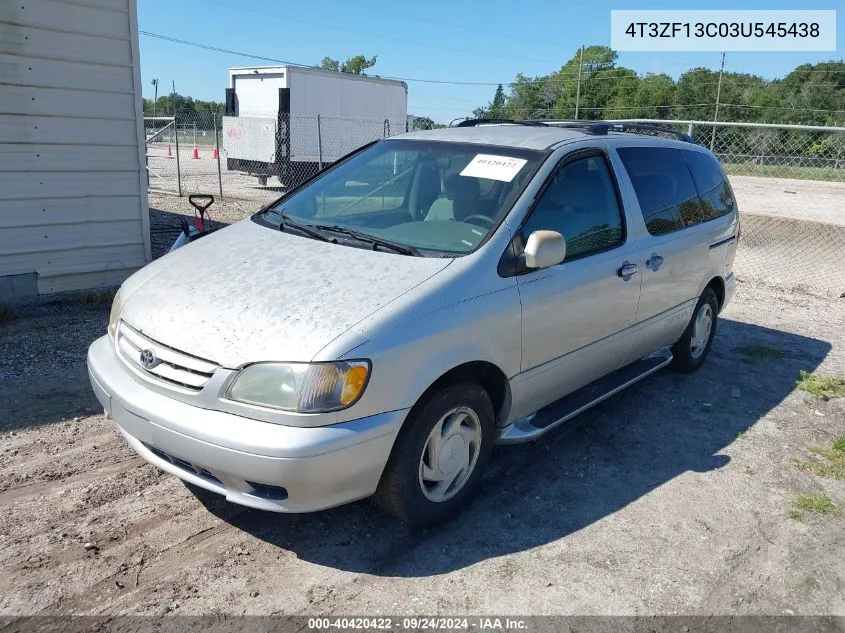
x=301 y=387
x=114 y=315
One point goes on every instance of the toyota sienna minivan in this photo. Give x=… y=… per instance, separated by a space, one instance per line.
x=376 y=330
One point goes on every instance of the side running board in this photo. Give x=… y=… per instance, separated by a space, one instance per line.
x=563 y=410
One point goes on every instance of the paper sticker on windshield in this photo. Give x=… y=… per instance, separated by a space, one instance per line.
x=493 y=167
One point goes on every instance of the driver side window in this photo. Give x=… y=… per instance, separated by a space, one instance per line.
x=580 y=204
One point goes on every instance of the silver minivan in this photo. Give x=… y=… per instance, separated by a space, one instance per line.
x=376 y=330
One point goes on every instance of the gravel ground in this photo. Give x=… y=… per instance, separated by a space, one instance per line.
x=672 y=497
x=791 y=198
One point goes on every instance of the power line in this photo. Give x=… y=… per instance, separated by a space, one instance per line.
x=407 y=16
x=300 y=65
x=275 y=60
x=403 y=40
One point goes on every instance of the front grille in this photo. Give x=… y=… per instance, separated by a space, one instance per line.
x=172 y=366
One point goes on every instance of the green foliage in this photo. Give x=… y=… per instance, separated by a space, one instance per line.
x=330 y=64
x=822 y=386
x=495 y=109
x=826 y=462
x=753 y=354
x=816 y=503
x=179 y=106
x=610 y=91
x=354 y=65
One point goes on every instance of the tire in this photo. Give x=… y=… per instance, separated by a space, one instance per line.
x=410 y=488
x=692 y=348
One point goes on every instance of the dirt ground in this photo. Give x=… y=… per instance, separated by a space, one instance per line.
x=672 y=497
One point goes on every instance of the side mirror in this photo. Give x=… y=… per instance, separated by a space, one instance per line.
x=544 y=249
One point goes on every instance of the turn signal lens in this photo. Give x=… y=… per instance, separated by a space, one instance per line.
x=353 y=384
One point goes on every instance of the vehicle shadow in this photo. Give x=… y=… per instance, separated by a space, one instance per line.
x=537 y=493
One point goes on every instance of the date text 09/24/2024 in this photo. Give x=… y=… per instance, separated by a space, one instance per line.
x=420 y=623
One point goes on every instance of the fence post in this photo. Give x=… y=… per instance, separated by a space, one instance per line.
x=217 y=151
x=178 y=168
x=319 y=144
x=689 y=129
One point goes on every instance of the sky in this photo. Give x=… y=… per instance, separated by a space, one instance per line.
x=441 y=40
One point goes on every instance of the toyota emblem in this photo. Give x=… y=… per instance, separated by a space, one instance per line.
x=149 y=359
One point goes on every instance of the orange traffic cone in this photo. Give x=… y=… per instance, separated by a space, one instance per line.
x=215 y=154
x=169 y=151
x=196 y=152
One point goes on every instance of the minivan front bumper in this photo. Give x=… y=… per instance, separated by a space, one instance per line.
x=252 y=463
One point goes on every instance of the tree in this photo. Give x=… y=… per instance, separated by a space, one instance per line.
x=810 y=94
x=357 y=65
x=354 y=65
x=155 y=99
x=495 y=109
x=330 y=64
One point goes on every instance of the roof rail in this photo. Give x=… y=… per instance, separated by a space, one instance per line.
x=597 y=128
x=650 y=127
x=476 y=122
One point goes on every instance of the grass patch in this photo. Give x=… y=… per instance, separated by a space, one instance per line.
x=754 y=354
x=821 y=386
x=816 y=503
x=742 y=435
x=781 y=171
x=832 y=462
x=795 y=515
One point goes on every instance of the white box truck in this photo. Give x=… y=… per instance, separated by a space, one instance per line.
x=289 y=122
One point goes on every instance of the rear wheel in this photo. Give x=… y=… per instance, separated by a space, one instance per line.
x=436 y=464
x=692 y=348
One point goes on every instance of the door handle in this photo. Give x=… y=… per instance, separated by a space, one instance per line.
x=627 y=270
x=654 y=262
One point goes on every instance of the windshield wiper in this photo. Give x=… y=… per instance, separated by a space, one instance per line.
x=285 y=221
x=404 y=249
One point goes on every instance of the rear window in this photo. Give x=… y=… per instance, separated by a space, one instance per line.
x=676 y=188
x=706 y=172
x=664 y=187
x=715 y=192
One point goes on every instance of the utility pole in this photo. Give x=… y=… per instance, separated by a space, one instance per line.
x=578 y=89
x=155 y=99
x=718 y=95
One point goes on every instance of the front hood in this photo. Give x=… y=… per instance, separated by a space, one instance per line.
x=248 y=293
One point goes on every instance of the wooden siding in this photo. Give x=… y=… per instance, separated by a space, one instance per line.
x=73 y=202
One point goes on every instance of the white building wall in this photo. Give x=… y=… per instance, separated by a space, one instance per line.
x=73 y=199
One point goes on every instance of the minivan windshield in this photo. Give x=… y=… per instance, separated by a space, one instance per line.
x=433 y=196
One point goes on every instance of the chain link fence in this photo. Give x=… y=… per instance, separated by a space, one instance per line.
x=793 y=231
x=803 y=152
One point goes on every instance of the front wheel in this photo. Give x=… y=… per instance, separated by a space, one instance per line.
x=436 y=464
x=694 y=345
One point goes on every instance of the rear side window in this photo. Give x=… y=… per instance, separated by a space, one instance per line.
x=713 y=188
x=664 y=187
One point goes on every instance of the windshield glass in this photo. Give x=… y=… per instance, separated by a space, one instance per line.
x=434 y=196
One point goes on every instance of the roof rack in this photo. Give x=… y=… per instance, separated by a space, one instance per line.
x=650 y=127
x=476 y=122
x=597 y=128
